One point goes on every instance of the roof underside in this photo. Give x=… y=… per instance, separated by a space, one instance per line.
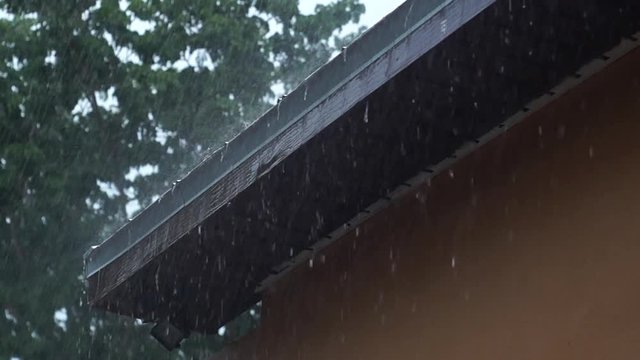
x=430 y=78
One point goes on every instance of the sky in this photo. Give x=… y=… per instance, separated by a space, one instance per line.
x=376 y=9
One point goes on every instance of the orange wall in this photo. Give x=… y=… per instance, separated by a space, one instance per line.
x=528 y=249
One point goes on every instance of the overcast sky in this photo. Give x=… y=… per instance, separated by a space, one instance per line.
x=376 y=9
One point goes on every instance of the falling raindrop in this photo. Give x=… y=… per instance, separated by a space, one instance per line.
x=306 y=89
x=443 y=26
x=311 y=263
x=453 y=262
x=561 y=131
x=344 y=53
x=591 y=152
x=406 y=18
x=366 y=113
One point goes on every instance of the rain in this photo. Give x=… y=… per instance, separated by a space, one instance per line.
x=106 y=105
x=318 y=179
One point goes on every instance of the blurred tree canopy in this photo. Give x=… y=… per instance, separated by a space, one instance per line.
x=101 y=104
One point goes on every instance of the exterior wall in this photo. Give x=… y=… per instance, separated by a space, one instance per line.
x=527 y=249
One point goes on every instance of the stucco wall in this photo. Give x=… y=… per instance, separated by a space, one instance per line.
x=527 y=249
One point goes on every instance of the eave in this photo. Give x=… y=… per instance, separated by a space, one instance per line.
x=426 y=84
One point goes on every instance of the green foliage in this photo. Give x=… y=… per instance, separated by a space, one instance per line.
x=90 y=91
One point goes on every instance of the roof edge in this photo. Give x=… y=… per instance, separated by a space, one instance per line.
x=379 y=41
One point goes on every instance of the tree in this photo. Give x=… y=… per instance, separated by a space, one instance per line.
x=92 y=95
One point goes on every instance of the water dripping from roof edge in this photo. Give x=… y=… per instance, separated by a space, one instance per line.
x=366 y=113
x=406 y=18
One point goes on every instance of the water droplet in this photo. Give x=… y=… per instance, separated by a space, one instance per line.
x=561 y=131
x=306 y=89
x=443 y=26
x=406 y=18
x=311 y=263
x=453 y=262
x=366 y=113
x=591 y=152
x=451 y=173
x=344 y=53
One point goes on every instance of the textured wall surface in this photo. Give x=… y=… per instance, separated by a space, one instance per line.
x=527 y=249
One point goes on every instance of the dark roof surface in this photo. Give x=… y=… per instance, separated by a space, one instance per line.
x=428 y=79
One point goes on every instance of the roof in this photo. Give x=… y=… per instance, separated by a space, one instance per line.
x=430 y=79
